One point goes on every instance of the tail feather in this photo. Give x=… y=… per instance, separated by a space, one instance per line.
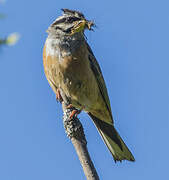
x=113 y=140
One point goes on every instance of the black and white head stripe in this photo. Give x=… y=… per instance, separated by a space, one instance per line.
x=72 y=12
x=68 y=17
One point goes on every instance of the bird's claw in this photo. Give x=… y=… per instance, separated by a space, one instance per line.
x=58 y=95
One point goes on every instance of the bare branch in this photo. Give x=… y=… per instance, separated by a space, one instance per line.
x=74 y=131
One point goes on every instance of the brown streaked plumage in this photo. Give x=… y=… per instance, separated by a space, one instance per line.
x=70 y=66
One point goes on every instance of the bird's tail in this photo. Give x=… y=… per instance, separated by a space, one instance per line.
x=113 y=140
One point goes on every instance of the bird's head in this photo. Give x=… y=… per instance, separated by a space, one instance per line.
x=70 y=22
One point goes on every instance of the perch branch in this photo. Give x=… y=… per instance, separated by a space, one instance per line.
x=74 y=131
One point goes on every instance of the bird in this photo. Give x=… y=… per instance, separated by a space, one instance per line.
x=71 y=68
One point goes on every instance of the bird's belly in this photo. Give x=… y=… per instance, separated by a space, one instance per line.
x=81 y=93
x=79 y=84
x=73 y=75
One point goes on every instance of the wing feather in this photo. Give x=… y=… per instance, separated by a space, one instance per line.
x=100 y=80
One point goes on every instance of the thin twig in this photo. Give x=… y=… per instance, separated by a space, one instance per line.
x=74 y=131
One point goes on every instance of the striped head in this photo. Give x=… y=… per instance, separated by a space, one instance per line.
x=70 y=23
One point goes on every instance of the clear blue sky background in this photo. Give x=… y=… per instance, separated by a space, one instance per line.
x=131 y=44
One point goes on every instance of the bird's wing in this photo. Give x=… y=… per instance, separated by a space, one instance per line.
x=99 y=78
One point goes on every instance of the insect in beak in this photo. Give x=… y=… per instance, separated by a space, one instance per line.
x=90 y=24
x=81 y=25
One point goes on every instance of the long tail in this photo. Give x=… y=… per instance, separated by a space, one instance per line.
x=113 y=140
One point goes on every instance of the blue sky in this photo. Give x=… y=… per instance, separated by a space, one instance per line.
x=131 y=44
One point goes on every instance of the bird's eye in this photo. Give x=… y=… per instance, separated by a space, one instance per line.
x=72 y=19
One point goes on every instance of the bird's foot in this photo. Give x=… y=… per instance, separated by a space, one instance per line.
x=74 y=113
x=58 y=95
x=70 y=106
